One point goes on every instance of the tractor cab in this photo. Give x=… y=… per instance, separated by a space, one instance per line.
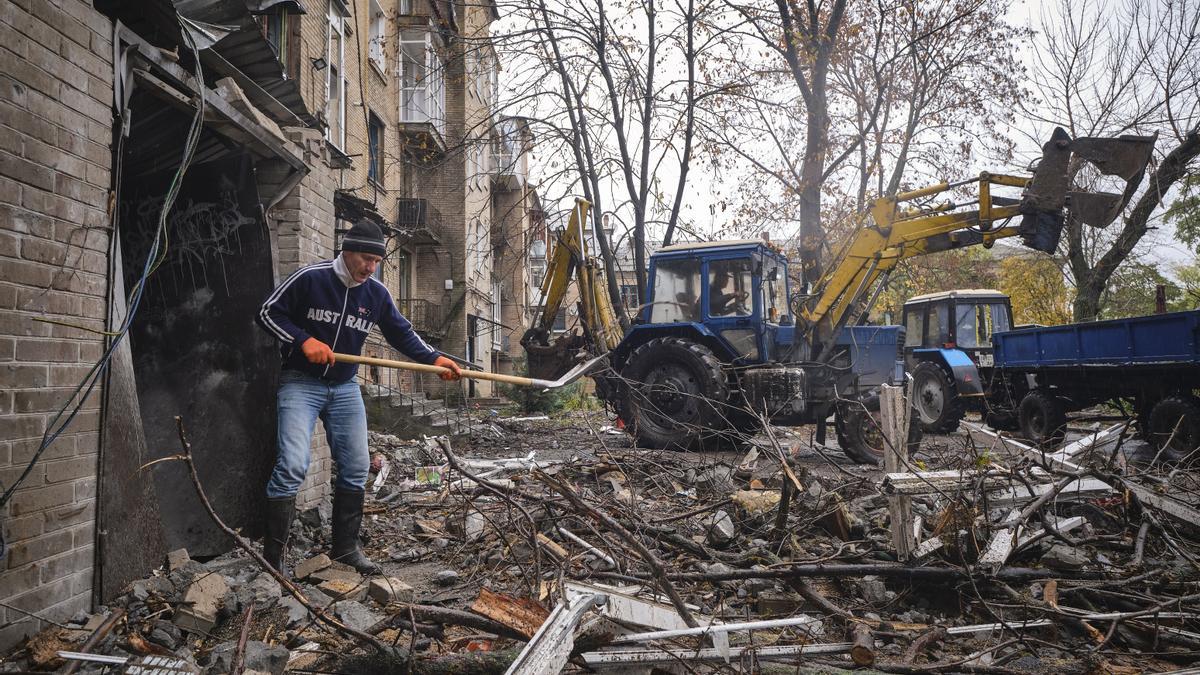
x=963 y=320
x=732 y=293
x=948 y=340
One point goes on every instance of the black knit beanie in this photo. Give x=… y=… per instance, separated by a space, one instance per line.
x=365 y=237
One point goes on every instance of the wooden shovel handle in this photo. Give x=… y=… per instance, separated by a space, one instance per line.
x=437 y=370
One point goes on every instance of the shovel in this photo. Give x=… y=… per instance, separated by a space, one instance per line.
x=572 y=375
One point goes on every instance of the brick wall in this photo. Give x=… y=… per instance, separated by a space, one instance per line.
x=55 y=161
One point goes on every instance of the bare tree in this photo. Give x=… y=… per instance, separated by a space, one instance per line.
x=613 y=89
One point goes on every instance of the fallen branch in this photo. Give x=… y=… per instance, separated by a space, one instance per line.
x=925 y=641
x=659 y=573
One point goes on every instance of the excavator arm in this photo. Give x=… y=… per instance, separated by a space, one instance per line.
x=569 y=260
x=895 y=233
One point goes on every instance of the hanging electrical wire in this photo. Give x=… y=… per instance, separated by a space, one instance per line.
x=157 y=253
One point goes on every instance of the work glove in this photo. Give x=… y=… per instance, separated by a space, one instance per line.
x=449 y=365
x=317 y=352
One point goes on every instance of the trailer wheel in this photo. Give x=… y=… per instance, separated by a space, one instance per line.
x=860 y=433
x=674 y=392
x=1175 y=424
x=936 y=399
x=1041 y=417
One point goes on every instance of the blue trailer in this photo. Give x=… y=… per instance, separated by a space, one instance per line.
x=1151 y=363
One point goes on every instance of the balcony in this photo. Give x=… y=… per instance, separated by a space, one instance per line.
x=418 y=221
x=426 y=317
x=423 y=120
x=422 y=94
x=508 y=155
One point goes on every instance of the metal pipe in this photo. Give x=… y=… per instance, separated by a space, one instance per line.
x=716 y=628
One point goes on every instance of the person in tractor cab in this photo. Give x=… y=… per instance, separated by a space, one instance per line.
x=320 y=309
x=723 y=300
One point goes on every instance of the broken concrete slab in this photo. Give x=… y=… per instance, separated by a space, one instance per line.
x=344 y=590
x=298 y=612
x=201 y=602
x=721 y=530
x=177 y=559
x=357 y=616
x=386 y=590
x=337 y=574
x=258 y=656
x=314 y=564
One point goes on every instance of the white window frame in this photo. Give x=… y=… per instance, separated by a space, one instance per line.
x=378 y=35
x=406 y=7
x=427 y=98
x=497 y=313
x=336 y=26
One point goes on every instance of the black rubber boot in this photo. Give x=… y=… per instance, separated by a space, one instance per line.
x=347 y=519
x=279 y=526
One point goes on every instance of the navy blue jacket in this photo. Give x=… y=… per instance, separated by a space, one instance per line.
x=314 y=302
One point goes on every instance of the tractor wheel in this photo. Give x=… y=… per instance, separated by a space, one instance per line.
x=1175 y=424
x=675 y=393
x=1041 y=417
x=936 y=399
x=860 y=433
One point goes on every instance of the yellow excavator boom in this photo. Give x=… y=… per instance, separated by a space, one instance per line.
x=570 y=259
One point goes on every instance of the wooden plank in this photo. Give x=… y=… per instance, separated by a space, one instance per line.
x=259 y=96
x=894 y=414
x=523 y=615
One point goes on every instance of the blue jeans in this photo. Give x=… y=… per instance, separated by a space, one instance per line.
x=302 y=400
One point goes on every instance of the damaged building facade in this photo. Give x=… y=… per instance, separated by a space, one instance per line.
x=267 y=128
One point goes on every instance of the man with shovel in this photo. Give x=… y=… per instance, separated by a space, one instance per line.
x=320 y=309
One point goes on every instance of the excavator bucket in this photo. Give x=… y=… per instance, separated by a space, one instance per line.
x=549 y=360
x=1048 y=195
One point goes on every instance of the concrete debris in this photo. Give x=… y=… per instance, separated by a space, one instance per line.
x=446 y=578
x=358 y=616
x=177 y=559
x=563 y=540
x=201 y=603
x=386 y=590
x=258 y=656
x=311 y=565
x=721 y=530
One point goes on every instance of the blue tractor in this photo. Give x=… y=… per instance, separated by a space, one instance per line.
x=715 y=353
x=948 y=350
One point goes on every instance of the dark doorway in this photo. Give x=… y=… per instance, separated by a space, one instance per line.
x=196 y=352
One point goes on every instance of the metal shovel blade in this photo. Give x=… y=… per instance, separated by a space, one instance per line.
x=571 y=375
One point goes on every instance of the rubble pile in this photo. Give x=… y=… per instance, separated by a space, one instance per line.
x=560 y=546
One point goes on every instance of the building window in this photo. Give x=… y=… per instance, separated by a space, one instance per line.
x=335 y=78
x=375 y=134
x=275 y=29
x=472 y=338
x=378 y=35
x=403 y=275
x=406 y=7
x=629 y=297
x=422 y=81
x=497 y=313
